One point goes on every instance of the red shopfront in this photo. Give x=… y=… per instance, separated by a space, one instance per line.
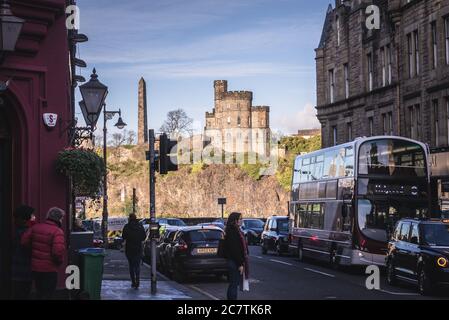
x=38 y=82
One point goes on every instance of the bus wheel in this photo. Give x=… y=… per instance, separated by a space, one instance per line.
x=391 y=274
x=333 y=260
x=300 y=253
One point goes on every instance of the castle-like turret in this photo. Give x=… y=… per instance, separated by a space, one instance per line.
x=234 y=115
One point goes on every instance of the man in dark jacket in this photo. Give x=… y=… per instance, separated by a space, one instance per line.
x=21 y=260
x=133 y=235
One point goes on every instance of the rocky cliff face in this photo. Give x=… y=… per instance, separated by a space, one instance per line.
x=194 y=194
x=192 y=191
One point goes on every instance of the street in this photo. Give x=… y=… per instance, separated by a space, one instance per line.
x=284 y=278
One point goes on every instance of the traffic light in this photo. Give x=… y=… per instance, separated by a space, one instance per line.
x=168 y=155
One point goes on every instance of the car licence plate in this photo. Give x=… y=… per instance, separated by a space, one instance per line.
x=206 y=250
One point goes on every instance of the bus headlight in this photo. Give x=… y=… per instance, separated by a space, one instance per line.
x=442 y=262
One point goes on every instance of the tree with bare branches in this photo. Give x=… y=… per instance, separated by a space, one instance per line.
x=177 y=122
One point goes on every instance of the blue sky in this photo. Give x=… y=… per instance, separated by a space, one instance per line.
x=181 y=46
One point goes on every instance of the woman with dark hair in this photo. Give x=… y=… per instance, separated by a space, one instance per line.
x=236 y=250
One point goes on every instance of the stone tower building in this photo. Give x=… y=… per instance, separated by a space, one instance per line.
x=142 y=134
x=235 y=125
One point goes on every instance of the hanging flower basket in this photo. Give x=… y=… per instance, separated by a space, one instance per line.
x=85 y=168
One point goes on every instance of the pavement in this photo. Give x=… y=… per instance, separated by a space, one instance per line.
x=116 y=283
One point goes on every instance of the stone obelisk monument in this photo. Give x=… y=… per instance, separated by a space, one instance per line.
x=142 y=137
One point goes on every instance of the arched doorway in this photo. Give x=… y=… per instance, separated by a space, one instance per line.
x=5 y=201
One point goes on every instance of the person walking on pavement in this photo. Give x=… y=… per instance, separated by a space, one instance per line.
x=47 y=243
x=236 y=252
x=134 y=234
x=21 y=259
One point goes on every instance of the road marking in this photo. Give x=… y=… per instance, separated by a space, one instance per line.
x=399 y=293
x=258 y=257
x=205 y=293
x=319 y=272
x=282 y=262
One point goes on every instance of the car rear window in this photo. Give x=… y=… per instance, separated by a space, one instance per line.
x=253 y=223
x=176 y=222
x=205 y=235
x=436 y=234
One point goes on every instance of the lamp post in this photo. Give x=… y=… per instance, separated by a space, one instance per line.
x=94 y=94
x=107 y=115
x=10 y=29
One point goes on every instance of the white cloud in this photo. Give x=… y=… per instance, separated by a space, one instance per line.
x=211 y=69
x=303 y=119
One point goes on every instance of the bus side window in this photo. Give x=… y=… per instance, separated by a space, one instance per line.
x=297 y=171
x=319 y=166
x=302 y=216
x=349 y=162
x=296 y=220
x=303 y=221
x=305 y=170
x=346 y=210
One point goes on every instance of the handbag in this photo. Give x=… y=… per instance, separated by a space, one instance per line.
x=221 y=249
x=245 y=283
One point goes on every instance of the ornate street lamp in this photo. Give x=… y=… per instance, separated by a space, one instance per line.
x=10 y=28
x=94 y=95
x=120 y=124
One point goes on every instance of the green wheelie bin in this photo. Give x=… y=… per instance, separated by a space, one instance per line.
x=92 y=271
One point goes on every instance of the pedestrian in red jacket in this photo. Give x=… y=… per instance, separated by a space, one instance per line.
x=47 y=244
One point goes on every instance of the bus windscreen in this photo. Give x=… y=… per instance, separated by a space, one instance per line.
x=394 y=158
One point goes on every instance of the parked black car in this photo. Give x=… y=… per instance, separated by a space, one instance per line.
x=168 y=238
x=419 y=253
x=252 y=229
x=165 y=239
x=275 y=235
x=194 y=251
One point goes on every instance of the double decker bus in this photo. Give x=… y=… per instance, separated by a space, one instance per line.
x=346 y=199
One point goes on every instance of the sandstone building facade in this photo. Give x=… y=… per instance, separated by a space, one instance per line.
x=235 y=125
x=389 y=81
x=392 y=81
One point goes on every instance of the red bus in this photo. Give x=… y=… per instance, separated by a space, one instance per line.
x=346 y=199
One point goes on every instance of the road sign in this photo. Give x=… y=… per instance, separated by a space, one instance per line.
x=222 y=201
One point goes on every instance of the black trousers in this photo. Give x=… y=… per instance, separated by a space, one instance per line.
x=134 y=268
x=46 y=283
